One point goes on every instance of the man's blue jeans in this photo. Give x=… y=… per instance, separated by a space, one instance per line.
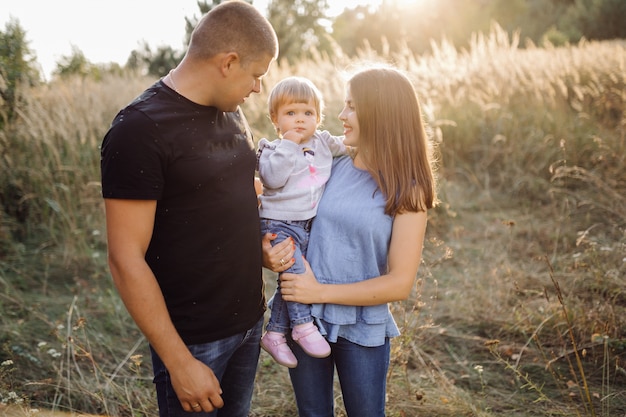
x=362 y=375
x=233 y=360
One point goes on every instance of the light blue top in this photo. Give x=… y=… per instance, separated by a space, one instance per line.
x=349 y=242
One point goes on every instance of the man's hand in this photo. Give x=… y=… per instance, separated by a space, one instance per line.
x=197 y=387
x=280 y=256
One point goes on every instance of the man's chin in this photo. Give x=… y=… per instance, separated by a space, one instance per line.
x=230 y=109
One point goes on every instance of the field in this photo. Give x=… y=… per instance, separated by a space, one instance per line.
x=519 y=306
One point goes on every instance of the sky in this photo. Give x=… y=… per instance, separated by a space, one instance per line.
x=109 y=30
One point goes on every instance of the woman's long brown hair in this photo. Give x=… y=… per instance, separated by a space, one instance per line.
x=393 y=142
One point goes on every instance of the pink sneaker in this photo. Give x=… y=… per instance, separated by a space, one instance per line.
x=275 y=344
x=311 y=340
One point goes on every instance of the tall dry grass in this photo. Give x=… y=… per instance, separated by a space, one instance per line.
x=519 y=305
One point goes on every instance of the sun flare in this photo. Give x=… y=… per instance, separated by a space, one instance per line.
x=407 y=4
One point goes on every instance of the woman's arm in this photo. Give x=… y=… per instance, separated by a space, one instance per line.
x=405 y=254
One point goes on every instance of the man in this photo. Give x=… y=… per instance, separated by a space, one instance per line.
x=182 y=221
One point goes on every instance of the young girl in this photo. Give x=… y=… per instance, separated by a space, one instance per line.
x=365 y=244
x=294 y=170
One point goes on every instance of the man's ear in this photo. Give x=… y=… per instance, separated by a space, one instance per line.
x=228 y=60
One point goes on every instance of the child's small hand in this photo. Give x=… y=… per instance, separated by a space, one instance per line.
x=293 y=136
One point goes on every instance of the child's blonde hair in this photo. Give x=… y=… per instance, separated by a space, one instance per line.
x=295 y=90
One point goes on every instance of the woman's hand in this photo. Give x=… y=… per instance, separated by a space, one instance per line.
x=303 y=288
x=279 y=257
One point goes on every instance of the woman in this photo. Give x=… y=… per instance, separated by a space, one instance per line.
x=365 y=245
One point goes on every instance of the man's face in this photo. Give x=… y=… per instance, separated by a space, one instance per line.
x=242 y=81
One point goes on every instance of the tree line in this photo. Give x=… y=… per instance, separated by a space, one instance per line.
x=304 y=28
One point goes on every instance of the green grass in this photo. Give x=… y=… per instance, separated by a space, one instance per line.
x=519 y=304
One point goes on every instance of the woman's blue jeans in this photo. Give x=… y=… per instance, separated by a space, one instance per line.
x=233 y=360
x=362 y=375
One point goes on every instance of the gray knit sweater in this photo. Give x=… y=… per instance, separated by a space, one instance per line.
x=294 y=176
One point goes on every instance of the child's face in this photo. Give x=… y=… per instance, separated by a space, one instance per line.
x=301 y=117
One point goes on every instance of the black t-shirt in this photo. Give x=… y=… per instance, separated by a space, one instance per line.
x=198 y=163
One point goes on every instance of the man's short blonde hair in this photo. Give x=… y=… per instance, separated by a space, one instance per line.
x=234 y=26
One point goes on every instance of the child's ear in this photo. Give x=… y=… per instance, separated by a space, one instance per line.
x=274 y=121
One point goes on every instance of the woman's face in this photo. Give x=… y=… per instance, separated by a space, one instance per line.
x=350 y=121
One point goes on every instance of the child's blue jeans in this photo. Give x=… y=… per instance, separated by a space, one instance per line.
x=286 y=314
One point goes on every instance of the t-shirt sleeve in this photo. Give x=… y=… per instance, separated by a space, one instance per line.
x=132 y=158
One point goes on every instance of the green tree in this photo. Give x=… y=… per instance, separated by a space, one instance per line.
x=299 y=25
x=74 y=64
x=562 y=20
x=354 y=28
x=156 y=63
x=536 y=19
x=191 y=22
x=159 y=62
x=392 y=26
x=596 y=19
x=77 y=64
x=17 y=68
